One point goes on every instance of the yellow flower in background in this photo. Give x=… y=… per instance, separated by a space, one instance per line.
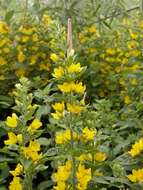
x=36 y=124
x=74 y=68
x=4 y=29
x=92 y=29
x=88 y=134
x=2 y=61
x=58 y=72
x=46 y=19
x=33 y=59
x=60 y=186
x=111 y=51
x=57 y=115
x=134 y=81
x=15 y=184
x=54 y=57
x=12 y=139
x=27 y=31
x=100 y=157
x=137 y=148
x=133 y=35
x=18 y=170
x=132 y=44
x=12 y=121
x=136 y=176
x=127 y=99
x=74 y=108
x=83 y=177
x=98 y=173
x=21 y=57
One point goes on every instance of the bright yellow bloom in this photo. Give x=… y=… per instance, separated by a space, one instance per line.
x=60 y=186
x=66 y=87
x=12 y=139
x=136 y=176
x=57 y=115
x=74 y=68
x=83 y=176
x=54 y=57
x=63 y=172
x=137 y=148
x=33 y=59
x=58 y=72
x=46 y=19
x=72 y=87
x=15 y=184
x=4 y=29
x=88 y=134
x=100 y=157
x=74 y=108
x=12 y=121
x=79 y=88
x=27 y=31
x=32 y=151
x=36 y=124
x=65 y=136
x=18 y=170
x=59 y=107
x=21 y=57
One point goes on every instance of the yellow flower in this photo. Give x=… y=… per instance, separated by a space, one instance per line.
x=137 y=148
x=133 y=35
x=127 y=99
x=57 y=115
x=27 y=31
x=25 y=39
x=66 y=87
x=12 y=121
x=83 y=177
x=111 y=51
x=63 y=172
x=88 y=134
x=18 y=170
x=73 y=108
x=92 y=29
x=36 y=124
x=134 y=81
x=59 y=107
x=54 y=57
x=33 y=59
x=60 y=186
x=58 y=72
x=15 y=184
x=2 y=61
x=100 y=157
x=46 y=19
x=32 y=151
x=21 y=57
x=136 y=176
x=4 y=29
x=132 y=44
x=65 y=136
x=74 y=68
x=98 y=173
x=12 y=139
x=79 y=88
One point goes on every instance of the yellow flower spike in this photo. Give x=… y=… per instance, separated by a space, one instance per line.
x=57 y=115
x=18 y=170
x=15 y=184
x=133 y=35
x=2 y=61
x=111 y=51
x=36 y=124
x=58 y=72
x=73 y=108
x=12 y=139
x=21 y=57
x=92 y=29
x=83 y=177
x=12 y=121
x=100 y=157
x=33 y=59
x=19 y=138
x=88 y=134
x=54 y=57
x=60 y=186
x=74 y=68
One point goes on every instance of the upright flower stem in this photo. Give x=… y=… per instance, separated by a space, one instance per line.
x=28 y=183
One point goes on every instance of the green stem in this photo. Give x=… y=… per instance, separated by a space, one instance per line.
x=28 y=183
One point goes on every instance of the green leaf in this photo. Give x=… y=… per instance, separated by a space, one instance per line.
x=42 y=110
x=44 y=185
x=9 y=15
x=44 y=141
